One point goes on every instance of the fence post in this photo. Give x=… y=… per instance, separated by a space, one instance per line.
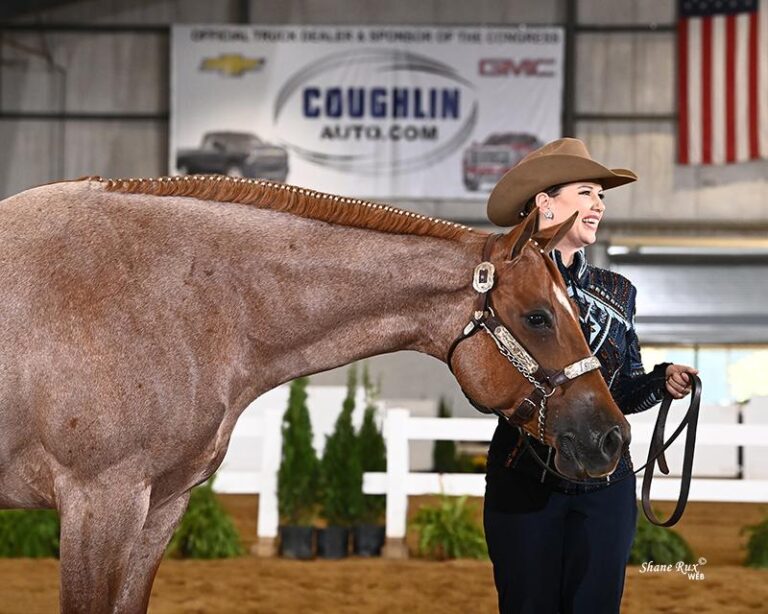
x=398 y=466
x=271 y=452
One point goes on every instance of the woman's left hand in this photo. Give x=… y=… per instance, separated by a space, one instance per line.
x=678 y=381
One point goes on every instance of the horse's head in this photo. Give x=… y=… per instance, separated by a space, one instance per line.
x=529 y=347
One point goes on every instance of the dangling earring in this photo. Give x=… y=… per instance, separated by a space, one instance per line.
x=549 y=215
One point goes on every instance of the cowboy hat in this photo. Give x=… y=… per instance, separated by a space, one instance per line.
x=562 y=161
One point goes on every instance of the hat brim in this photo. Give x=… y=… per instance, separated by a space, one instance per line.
x=530 y=177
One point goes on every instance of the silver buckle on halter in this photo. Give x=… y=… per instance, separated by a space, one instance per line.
x=482 y=280
x=581 y=367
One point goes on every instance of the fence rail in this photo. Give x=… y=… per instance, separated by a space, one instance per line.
x=399 y=482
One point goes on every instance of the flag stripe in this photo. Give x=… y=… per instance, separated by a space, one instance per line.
x=682 y=91
x=762 y=75
x=742 y=110
x=706 y=90
x=716 y=91
x=694 y=87
x=754 y=152
x=730 y=88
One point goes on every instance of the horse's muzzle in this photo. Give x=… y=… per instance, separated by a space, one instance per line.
x=590 y=453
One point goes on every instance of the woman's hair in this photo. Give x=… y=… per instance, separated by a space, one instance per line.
x=531 y=204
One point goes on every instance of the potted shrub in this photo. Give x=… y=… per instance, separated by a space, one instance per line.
x=448 y=530
x=298 y=477
x=342 y=480
x=368 y=535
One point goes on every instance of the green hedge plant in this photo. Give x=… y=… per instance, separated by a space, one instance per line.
x=341 y=470
x=757 y=545
x=298 y=479
x=29 y=533
x=372 y=451
x=448 y=530
x=658 y=544
x=206 y=531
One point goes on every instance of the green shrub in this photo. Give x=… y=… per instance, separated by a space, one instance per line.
x=448 y=530
x=29 y=533
x=658 y=544
x=298 y=479
x=341 y=470
x=372 y=451
x=444 y=458
x=757 y=546
x=206 y=531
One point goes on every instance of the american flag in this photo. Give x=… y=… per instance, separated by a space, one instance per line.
x=722 y=81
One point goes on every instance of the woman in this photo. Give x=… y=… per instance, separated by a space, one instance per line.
x=558 y=546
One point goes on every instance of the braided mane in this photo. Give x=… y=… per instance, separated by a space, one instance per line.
x=291 y=199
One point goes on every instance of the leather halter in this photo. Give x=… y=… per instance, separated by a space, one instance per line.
x=544 y=381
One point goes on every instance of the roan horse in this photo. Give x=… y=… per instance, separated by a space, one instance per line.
x=140 y=317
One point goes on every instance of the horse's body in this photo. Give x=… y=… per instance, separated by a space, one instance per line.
x=135 y=328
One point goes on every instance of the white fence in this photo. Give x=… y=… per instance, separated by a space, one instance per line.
x=398 y=482
x=720 y=441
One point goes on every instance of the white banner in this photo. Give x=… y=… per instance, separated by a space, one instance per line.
x=379 y=112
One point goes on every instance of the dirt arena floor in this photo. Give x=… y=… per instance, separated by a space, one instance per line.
x=252 y=585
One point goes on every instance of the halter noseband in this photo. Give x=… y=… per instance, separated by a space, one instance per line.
x=544 y=381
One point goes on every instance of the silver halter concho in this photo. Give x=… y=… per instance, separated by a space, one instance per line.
x=544 y=381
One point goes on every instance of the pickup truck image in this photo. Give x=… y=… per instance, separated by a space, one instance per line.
x=484 y=163
x=237 y=154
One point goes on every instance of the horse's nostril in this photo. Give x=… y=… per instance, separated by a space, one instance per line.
x=611 y=442
x=566 y=445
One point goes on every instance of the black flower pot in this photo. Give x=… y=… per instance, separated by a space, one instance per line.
x=296 y=542
x=369 y=539
x=333 y=542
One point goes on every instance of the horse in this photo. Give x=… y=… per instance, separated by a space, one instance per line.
x=139 y=317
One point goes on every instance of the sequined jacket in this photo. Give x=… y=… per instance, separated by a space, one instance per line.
x=606 y=302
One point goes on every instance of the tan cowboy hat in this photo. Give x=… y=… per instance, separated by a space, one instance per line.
x=561 y=161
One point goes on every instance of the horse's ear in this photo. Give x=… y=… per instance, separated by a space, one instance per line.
x=521 y=234
x=548 y=238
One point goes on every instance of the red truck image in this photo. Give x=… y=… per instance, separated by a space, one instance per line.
x=484 y=163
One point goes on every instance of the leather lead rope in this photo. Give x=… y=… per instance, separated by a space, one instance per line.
x=658 y=447
x=655 y=454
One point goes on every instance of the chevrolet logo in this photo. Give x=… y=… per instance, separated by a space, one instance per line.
x=231 y=64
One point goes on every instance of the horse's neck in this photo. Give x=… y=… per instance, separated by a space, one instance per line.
x=339 y=294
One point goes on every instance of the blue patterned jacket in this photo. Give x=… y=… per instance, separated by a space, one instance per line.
x=606 y=302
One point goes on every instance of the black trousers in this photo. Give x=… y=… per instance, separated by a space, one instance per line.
x=568 y=557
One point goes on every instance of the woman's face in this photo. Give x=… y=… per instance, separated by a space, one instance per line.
x=582 y=197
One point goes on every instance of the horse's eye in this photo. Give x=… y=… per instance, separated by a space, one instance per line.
x=538 y=319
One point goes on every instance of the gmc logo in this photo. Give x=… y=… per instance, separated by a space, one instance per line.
x=526 y=67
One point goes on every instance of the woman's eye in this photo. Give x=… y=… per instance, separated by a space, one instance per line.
x=538 y=320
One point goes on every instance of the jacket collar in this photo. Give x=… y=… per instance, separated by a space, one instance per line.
x=578 y=269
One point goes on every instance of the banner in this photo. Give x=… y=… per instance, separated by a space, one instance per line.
x=377 y=112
